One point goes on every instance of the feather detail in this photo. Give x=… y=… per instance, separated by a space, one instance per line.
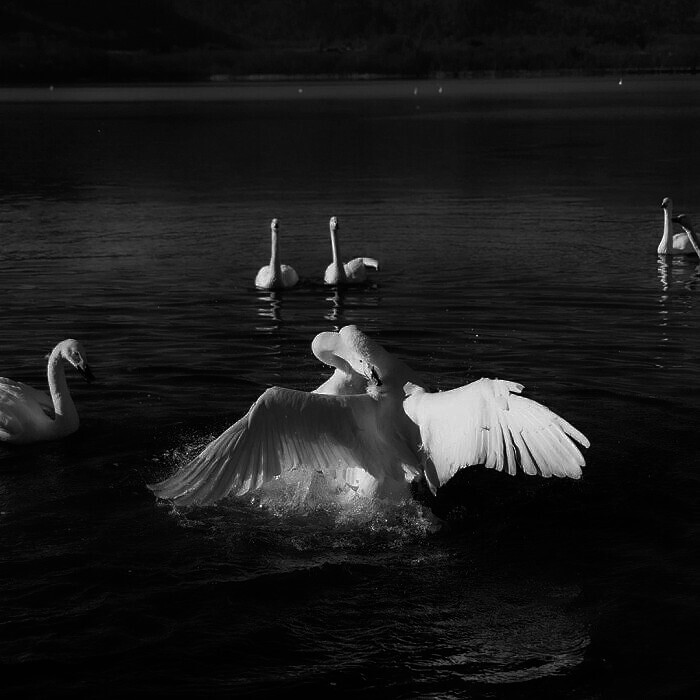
x=487 y=422
x=286 y=428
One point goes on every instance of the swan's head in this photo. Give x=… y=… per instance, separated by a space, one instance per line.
x=325 y=346
x=666 y=203
x=274 y=224
x=684 y=221
x=72 y=352
x=363 y=354
x=334 y=223
x=375 y=386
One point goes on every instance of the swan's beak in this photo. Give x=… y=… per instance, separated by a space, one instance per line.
x=374 y=376
x=86 y=372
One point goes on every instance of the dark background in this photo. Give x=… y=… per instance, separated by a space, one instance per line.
x=195 y=40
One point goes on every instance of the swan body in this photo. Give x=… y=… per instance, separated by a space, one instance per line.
x=28 y=415
x=689 y=231
x=353 y=272
x=375 y=442
x=275 y=275
x=673 y=243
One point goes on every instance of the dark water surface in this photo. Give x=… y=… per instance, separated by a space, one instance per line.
x=516 y=223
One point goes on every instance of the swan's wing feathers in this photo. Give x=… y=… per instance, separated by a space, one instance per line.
x=357 y=264
x=262 y=279
x=289 y=275
x=284 y=428
x=356 y=269
x=42 y=398
x=487 y=422
x=371 y=262
x=22 y=408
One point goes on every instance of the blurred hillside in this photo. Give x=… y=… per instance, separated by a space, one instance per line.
x=194 y=40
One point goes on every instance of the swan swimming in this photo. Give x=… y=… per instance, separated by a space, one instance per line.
x=673 y=243
x=376 y=441
x=353 y=272
x=275 y=275
x=29 y=415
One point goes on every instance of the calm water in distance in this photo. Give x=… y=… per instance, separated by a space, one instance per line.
x=516 y=223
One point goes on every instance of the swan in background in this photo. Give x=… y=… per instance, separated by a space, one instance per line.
x=29 y=415
x=275 y=275
x=688 y=230
x=391 y=433
x=353 y=272
x=673 y=243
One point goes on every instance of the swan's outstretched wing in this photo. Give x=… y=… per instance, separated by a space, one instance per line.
x=487 y=422
x=370 y=262
x=285 y=428
x=356 y=269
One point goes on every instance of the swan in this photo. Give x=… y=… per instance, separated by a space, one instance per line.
x=29 y=415
x=673 y=243
x=353 y=272
x=275 y=275
x=375 y=442
x=327 y=347
x=688 y=230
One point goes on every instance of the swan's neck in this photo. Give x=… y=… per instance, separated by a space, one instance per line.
x=690 y=233
x=274 y=257
x=66 y=413
x=665 y=243
x=337 y=263
x=332 y=360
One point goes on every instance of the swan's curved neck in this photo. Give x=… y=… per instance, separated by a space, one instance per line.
x=332 y=360
x=664 y=244
x=337 y=262
x=66 y=413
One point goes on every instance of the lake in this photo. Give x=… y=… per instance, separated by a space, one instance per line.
x=516 y=225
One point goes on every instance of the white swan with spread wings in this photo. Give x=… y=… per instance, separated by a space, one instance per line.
x=392 y=432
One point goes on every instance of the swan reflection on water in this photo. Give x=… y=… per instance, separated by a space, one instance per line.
x=270 y=306
x=678 y=271
x=337 y=312
x=366 y=296
x=677 y=276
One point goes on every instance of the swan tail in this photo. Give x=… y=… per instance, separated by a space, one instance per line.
x=370 y=262
x=487 y=422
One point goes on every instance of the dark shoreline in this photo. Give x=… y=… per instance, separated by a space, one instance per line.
x=224 y=80
x=183 y=41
